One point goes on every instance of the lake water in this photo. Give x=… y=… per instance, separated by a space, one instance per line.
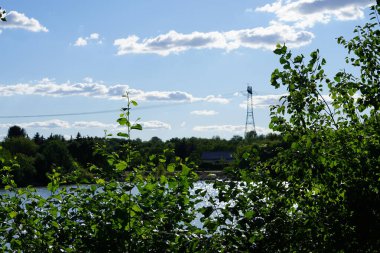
x=210 y=193
x=44 y=192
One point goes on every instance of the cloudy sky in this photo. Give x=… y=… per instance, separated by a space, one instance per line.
x=66 y=64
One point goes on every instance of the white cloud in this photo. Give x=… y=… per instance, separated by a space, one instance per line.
x=93 y=124
x=155 y=125
x=236 y=129
x=256 y=38
x=267 y=100
x=6 y=125
x=88 y=80
x=216 y=99
x=80 y=42
x=90 y=88
x=263 y=101
x=16 y=20
x=306 y=13
x=56 y=123
x=293 y=17
x=220 y=128
x=204 y=112
x=94 y=36
x=83 y=41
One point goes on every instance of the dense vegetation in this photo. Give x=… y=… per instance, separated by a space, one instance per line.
x=317 y=192
x=39 y=155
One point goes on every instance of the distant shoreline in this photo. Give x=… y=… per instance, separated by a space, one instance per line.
x=211 y=174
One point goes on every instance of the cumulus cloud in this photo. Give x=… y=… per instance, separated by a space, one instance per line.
x=263 y=101
x=94 y=36
x=236 y=129
x=89 y=88
x=155 y=125
x=93 y=124
x=306 y=13
x=220 y=128
x=256 y=38
x=292 y=18
x=80 y=42
x=54 y=123
x=83 y=41
x=204 y=112
x=16 y=20
x=57 y=123
x=215 y=99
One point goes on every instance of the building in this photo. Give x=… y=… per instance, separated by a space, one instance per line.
x=217 y=157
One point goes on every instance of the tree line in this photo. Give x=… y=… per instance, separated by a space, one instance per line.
x=37 y=156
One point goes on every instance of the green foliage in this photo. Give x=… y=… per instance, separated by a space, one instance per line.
x=321 y=191
x=128 y=207
x=316 y=190
x=16 y=131
x=20 y=145
x=56 y=153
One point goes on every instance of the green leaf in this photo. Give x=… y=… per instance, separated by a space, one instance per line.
x=171 y=168
x=13 y=214
x=94 y=228
x=283 y=60
x=122 y=121
x=298 y=59
x=185 y=170
x=277 y=51
x=125 y=135
x=308 y=143
x=149 y=186
x=137 y=127
x=55 y=224
x=136 y=208
x=100 y=181
x=163 y=179
x=121 y=166
x=249 y=214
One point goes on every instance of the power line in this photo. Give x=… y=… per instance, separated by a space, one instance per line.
x=228 y=95
x=55 y=115
x=87 y=113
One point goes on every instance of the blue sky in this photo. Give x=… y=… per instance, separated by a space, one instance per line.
x=185 y=62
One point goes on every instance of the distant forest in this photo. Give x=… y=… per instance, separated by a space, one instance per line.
x=77 y=157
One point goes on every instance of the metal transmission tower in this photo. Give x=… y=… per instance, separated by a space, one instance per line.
x=250 y=120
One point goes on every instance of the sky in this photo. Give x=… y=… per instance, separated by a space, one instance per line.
x=65 y=65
